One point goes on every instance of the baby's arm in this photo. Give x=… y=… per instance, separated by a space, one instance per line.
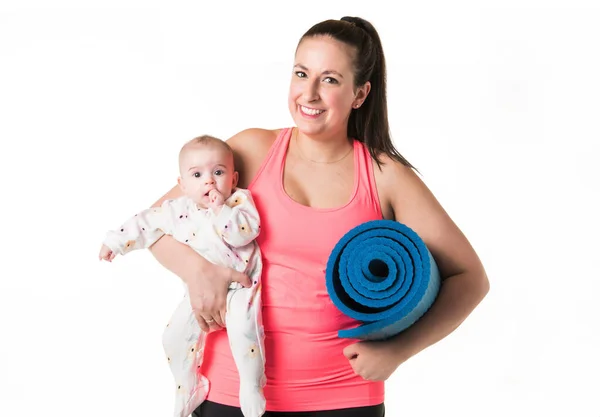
x=238 y=221
x=140 y=231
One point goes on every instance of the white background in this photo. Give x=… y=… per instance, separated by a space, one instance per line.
x=496 y=102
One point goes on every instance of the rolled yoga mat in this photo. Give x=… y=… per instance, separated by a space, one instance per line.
x=381 y=274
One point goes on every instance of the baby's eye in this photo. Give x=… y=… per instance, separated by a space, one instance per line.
x=219 y=172
x=197 y=174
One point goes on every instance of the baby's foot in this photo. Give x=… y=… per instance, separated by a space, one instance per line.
x=252 y=400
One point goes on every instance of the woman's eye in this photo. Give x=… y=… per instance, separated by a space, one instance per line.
x=300 y=74
x=330 y=80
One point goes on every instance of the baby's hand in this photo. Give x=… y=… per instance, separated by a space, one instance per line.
x=215 y=198
x=106 y=253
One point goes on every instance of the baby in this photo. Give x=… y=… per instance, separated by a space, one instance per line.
x=220 y=222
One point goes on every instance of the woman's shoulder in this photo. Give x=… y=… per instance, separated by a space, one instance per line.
x=395 y=181
x=253 y=140
x=391 y=169
x=250 y=148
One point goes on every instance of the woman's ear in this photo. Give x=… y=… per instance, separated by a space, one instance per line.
x=361 y=95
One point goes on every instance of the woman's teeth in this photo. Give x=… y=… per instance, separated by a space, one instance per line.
x=311 y=112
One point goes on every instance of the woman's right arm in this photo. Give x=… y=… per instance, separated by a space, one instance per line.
x=207 y=283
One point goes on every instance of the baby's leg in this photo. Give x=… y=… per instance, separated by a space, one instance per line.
x=183 y=342
x=244 y=329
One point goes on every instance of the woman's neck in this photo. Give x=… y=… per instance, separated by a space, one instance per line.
x=322 y=149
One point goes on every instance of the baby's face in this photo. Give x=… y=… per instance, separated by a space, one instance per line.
x=204 y=168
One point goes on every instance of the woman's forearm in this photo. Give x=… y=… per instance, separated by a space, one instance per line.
x=178 y=258
x=458 y=297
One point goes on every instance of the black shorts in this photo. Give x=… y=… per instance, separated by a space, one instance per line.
x=210 y=409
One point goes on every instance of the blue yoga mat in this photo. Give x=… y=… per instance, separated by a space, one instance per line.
x=382 y=274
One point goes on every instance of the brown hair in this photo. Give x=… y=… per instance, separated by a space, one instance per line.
x=369 y=123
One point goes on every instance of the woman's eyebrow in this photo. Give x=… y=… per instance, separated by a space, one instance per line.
x=326 y=72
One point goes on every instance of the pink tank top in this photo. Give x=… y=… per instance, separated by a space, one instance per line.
x=305 y=367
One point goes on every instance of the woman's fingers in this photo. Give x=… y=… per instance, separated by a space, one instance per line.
x=208 y=295
x=218 y=320
x=209 y=322
x=202 y=323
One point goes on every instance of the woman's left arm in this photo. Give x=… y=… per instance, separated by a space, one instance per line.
x=464 y=281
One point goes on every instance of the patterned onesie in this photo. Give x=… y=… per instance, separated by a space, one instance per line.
x=226 y=239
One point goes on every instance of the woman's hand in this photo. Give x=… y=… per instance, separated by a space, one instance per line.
x=207 y=283
x=208 y=288
x=374 y=361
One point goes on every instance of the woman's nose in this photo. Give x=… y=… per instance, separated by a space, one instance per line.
x=311 y=91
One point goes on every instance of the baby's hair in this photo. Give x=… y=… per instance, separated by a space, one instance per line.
x=209 y=140
x=206 y=140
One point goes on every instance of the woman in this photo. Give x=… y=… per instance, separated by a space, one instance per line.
x=336 y=169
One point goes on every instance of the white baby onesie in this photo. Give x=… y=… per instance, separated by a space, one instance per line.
x=227 y=239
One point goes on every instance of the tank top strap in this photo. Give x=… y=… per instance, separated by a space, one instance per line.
x=367 y=188
x=273 y=162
